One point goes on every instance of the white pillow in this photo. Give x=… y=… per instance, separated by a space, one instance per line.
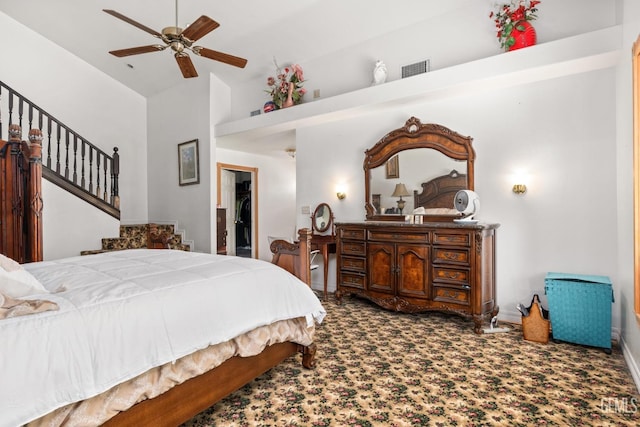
x=20 y=283
x=8 y=264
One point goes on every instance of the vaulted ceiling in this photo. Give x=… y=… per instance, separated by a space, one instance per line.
x=258 y=30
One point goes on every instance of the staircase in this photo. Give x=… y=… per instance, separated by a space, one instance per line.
x=69 y=160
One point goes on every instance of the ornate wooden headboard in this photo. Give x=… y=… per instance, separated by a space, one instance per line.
x=21 y=196
x=440 y=192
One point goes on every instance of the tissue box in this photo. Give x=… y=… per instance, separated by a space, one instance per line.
x=580 y=308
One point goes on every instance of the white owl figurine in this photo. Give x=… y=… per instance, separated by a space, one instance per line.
x=379 y=73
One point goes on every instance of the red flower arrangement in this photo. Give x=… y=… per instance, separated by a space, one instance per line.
x=279 y=86
x=509 y=19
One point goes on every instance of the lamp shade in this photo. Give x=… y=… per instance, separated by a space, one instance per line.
x=400 y=191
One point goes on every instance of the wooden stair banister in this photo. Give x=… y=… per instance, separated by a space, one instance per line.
x=69 y=160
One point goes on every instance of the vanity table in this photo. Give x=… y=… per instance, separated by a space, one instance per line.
x=322 y=221
x=438 y=263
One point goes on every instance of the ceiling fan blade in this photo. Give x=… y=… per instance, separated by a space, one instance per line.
x=200 y=28
x=137 y=50
x=186 y=65
x=132 y=22
x=219 y=56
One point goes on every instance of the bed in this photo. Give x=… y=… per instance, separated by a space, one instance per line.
x=138 y=337
x=439 y=193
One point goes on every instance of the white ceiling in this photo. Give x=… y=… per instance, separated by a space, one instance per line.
x=258 y=30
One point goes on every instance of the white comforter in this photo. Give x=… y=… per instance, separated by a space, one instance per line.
x=126 y=311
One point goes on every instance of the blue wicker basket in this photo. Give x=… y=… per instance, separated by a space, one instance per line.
x=580 y=308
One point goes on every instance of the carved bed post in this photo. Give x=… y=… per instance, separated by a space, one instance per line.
x=304 y=261
x=12 y=196
x=34 y=215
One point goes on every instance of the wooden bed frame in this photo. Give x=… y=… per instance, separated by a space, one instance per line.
x=440 y=192
x=21 y=239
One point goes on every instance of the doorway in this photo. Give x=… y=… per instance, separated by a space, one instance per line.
x=237 y=194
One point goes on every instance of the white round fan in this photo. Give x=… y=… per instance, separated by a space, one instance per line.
x=467 y=203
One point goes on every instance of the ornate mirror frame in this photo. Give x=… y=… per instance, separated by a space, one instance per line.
x=323 y=210
x=412 y=135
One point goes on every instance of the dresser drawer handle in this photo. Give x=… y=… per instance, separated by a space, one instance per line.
x=450 y=255
x=467 y=287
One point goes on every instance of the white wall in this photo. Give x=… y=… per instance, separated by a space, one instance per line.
x=100 y=109
x=560 y=131
x=63 y=234
x=178 y=115
x=459 y=37
x=630 y=333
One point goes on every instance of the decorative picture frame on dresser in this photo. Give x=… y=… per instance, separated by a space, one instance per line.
x=436 y=264
x=188 y=163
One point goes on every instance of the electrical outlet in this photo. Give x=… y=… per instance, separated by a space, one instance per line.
x=316 y=93
x=306 y=210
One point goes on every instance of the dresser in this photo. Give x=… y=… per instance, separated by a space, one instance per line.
x=439 y=266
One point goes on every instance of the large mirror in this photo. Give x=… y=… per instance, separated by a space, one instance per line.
x=418 y=165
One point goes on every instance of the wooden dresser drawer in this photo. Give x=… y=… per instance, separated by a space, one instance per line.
x=352 y=233
x=451 y=275
x=352 y=280
x=396 y=236
x=353 y=248
x=450 y=256
x=451 y=295
x=451 y=239
x=353 y=264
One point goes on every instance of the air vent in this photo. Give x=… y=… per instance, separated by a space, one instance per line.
x=255 y=113
x=417 y=68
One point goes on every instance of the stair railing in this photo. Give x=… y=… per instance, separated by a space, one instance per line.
x=69 y=160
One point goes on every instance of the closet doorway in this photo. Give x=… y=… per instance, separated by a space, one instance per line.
x=238 y=194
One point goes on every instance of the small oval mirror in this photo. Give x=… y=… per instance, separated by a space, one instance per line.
x=322 y=218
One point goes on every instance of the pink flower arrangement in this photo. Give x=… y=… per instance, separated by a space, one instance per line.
x=508 y=16
x=279 y=85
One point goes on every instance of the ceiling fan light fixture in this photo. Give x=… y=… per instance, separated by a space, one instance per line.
x=179 y=40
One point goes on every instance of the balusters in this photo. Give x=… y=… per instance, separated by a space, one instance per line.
x=48 y=142
x=58 y=150
x=66 y=160
x=115 y=171
x=82 y=182
x=10 y=107
x=105 y=197
x=90 y=169
x=97 y=173
x=75 y=158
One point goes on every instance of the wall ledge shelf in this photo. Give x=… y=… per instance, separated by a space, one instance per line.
x=572 y=55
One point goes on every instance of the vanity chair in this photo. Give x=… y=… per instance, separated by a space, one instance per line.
x=323 y=236
x=430 y=262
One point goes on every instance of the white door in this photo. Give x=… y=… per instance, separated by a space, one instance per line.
x=228 y=200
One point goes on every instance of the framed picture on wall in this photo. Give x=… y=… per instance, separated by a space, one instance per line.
x=188 y=163
x=393 y=170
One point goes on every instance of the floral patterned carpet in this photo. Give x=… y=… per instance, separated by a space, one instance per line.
x=379 y=368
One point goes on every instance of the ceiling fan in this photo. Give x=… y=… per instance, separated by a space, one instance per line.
x=179 y=40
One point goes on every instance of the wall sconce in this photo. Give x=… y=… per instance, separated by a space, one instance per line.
x=340 y=192
x=519 y=188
